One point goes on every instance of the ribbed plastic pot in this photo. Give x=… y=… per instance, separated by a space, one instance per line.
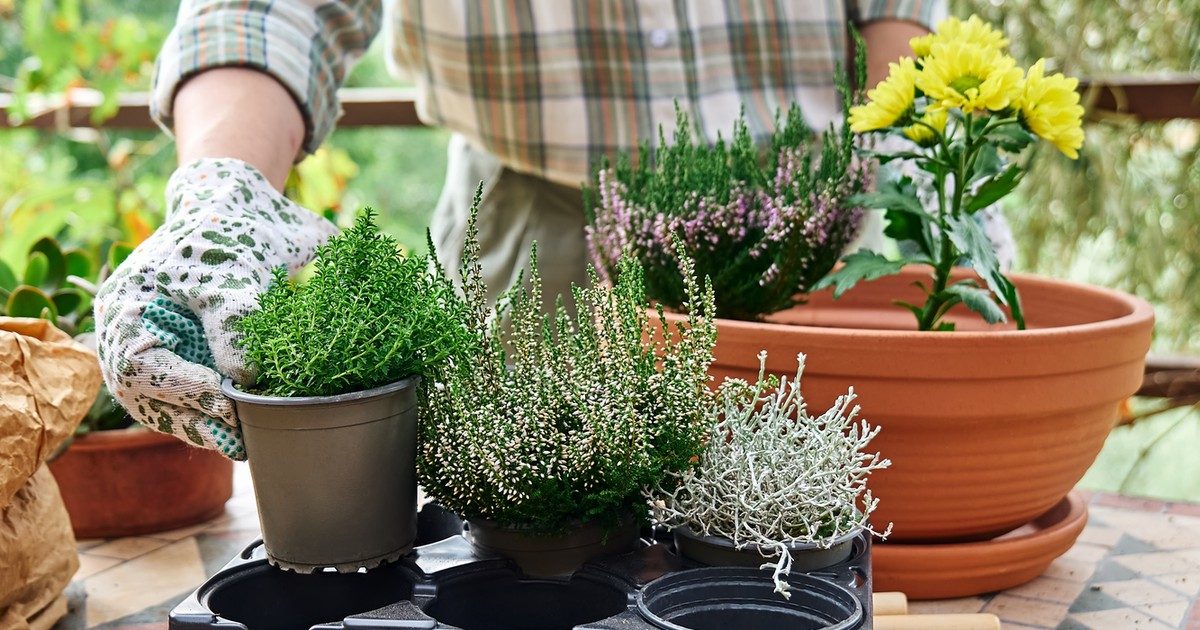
x=721 y=552
x=736 y=598
x=551 y=556
x=987 y=427
x=334 y=476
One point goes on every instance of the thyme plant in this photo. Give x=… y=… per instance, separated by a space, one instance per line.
x=560 y=418
x=367 y=317
x=779 y=476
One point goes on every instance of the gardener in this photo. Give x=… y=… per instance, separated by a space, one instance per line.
x=535 y=91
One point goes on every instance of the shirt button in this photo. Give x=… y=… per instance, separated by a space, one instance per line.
x=659 y=38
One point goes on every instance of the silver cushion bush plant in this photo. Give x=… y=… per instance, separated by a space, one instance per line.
x=565 y=418
x=773 y=475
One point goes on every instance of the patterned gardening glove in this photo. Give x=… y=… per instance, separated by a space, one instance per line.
x=165 y=318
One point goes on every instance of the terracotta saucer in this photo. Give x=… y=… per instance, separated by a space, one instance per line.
x=932 y=571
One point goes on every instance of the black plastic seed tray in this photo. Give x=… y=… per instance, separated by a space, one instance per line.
x=442 y=585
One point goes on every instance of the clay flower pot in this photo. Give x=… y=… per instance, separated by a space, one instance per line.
x=136 y=481
x=987 y=427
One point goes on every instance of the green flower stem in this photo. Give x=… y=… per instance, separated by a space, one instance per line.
x=936 y=301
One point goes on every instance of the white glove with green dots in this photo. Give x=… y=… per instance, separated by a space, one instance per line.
x=165 y=318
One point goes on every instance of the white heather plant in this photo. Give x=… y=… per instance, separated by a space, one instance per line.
x=779 y=477
x=564 y=419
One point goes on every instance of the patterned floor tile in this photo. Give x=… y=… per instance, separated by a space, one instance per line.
x=90 y=565
x=1049 y=589
x=1139 y=592
x=1162 y=563
x=1170 y=612
x=1122 y=619
x=126 y=548
x=143 y=582
x=1014 y=609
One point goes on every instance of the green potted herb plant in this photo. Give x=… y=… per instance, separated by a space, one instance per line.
x=774 y=483
x=330 y=422
x=544 y=440
x=102 y=470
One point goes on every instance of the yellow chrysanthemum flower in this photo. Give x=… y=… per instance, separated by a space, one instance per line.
x=889 y=100
x=963 y=75
x=1050 y=108
x=922 y=134
x=973 y=31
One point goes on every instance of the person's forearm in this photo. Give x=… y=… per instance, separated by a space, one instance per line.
x=239 y=113
x=887 y=41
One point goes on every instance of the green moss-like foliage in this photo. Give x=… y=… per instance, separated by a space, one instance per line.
x=367 y=317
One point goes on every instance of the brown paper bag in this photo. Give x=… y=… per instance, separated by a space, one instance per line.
x=37 y=552
x=47 y=383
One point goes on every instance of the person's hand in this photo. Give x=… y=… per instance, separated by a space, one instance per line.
x=165 y=319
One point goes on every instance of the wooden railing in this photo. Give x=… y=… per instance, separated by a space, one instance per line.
x=1148 y=99
x=1142 y=98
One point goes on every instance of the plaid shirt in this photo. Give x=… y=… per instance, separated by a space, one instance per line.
x=545 y=85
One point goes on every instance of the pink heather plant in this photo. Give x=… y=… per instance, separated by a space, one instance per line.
x=763 y=225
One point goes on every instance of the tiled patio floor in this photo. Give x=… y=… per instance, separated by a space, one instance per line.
x=1136 y=566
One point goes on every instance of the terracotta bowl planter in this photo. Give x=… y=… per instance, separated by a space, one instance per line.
x=988 y=427
x=137 y=481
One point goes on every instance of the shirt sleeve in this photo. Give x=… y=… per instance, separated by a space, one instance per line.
x=926 y=13
x=306 y=45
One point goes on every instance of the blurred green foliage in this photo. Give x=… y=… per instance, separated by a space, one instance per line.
x=1126 y=214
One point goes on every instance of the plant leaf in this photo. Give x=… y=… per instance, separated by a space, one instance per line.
x=995 y=189
x=117 y=255
x=8 y=279
x=978 y=300
x=28 y=301
x=889 y=199
x=1011 y=138
x=68 y=301
x=37 y=267
x=80 y=264
x=56 y=263
x=907 y=226
x=971 y=240
x=859 y=266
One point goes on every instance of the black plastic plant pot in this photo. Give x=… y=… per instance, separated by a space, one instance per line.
x=264 y=598
x=738 y=598
x=496 y=597
x=721 y=552
x=551 y=556
x=334 y=476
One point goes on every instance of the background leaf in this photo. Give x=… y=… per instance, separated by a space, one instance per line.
x=978 y=300
x=27 y=301
x=859 y=266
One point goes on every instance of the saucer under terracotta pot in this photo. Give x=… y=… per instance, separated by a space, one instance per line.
x=962 y=569
x=987 y=427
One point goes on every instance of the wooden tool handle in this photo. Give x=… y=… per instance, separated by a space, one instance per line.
x=889 y=604
x=979 y=621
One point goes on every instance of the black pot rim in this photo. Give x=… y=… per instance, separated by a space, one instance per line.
x=230 y=390
x=716 y=541
x=743 y=573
